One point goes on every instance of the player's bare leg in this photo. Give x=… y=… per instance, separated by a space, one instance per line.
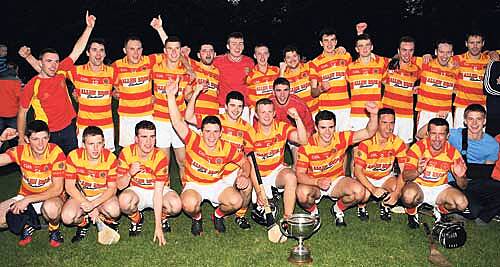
x=180 y=157
x=191 y=204
x=246 y=195
x=450 y=199
x=411 y=197
x=307 y=196
x=72 y=214
x=111 y=211
x=286 y=179
x=4 y=208
x=128 y=202
x=51 y=212
x=230 y=201
x=172 y=205
x=349 y=192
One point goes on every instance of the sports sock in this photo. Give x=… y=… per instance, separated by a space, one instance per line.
x=197 y=217
x=135 y=217
x=53 y=227
x=218 y=213
x=411 y=211
x=84 y=222
x=313 y=210
x=241 y=212
x=340 y=205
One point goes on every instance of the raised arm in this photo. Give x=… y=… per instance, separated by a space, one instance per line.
x=190 y=116
x=300 y=135
x=21 y=124
x=178 y=122
x=82 y=41
x=371 y=127
x=7 y=134
x=25 y=52
x=157 y=24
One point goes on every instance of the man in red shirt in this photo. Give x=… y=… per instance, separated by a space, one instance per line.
x=48 y=94
x=233 y=67
x=10 y=90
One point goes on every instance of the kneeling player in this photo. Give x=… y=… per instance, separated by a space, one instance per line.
x=206 y=157
x=320 y=164
x=373 y=164
x=143 y=173
x=90 y=180
x=426 y=173
x=42 y=169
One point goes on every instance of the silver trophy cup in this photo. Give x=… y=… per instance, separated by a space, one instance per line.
x=300 y=227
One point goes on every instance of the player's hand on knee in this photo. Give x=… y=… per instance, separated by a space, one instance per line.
x=323 y=183
x=87 y=206
x=378 y=192
x=19 y=206
x=159 y=236
x=94 y=214
x=242 y=182
x=391 y=199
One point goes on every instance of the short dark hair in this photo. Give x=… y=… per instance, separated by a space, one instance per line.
x=146 y=125
x=476 y=108
x=290 y=48
x=206 y=43
x=211 y=120
x=47 y=50
x=236 y=96
x=92 y=131
x=36 y=126
x=325 y=115
x=260 y=45
x=474 y=33
x=364 y=36
x=100 y=41
x=173 y=39
x=263 y=101
x=235 y=35
x=406 y=39
x=443 y=41
x=131 y=38
x=327 y=31
x=385 y=111
x=438 y=122
x=282 y=81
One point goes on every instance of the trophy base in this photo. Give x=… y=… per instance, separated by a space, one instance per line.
x=300 y=255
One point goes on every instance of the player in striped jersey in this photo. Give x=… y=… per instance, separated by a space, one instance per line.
x=426 y=174
x=206 y=158
x=261 y=77
x=299 y=75
x=374 y=160
x=90 y=181
x=236 y=131
x=269 y=141
x=42 y=182
x=399 y=87
x=320 y=166
x=143 y=177
x=328 y=78
x=437 y=83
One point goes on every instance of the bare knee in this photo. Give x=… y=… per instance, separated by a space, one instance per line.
x=51 y=208
x=128 y=202
x=173 y=205
x=190 y=203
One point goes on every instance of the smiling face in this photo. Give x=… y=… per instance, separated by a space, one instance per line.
x=265 y=114
x=133 y=50
x=405 y=51
x=326 y=129
x=173 y=51
x=328 y=42
x=475 y=45
x=281 y=93
x=234 y=108
x=438 y=136
x=364 y=48
x=292 y=59
x=444 y=52
x=475 y=121
x=49 y=64
x=38 y=142
x=206 y=54
x=261 y=55
x=235 y=46
x=211 y=133
x=96 y=54
x=146 y=140
x=93 y=145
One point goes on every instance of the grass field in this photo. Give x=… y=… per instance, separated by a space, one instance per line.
x=372 y=243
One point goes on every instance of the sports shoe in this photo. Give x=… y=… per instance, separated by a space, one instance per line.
x=136 y=228
x=413 y=222
x=55 y=238
x=242 y=222
x=338 y=215
x=165 y=226
x=385 y=212
x=496 y=218
x=197 y=227
x=219 y=224
x=81 y=232
x=363 y=214
x=257 y=215
x=26 y=236
x=115 y=225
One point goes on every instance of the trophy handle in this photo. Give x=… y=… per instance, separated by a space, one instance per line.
x=283 y=224
x=317 y=223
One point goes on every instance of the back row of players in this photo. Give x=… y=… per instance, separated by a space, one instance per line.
x=321 y=85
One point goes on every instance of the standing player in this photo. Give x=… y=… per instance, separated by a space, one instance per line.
x=320 y=166
x=426 y=174
x=48 y=95
x=269 y=141
x=328 y=77
x=143 y=177
x=233 y=67
x=42 y=182
x=207 y=156
x=94 y=169
x=298 y=74
x=399 y=88
x=373 y=165
x=235 y=131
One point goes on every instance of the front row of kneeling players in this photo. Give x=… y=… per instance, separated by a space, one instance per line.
x=91 y=175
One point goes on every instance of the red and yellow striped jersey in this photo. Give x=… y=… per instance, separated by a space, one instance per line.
x=365 y=81
x=260 y=84
x=161 y=76
x=133 y=81
x=332 y=69
x=153 y=169
x=300 y=85
x=399 y=85
x=270 y=148
x=207 y=102
x=436 y=87
x=203 y=166
x=325 y=162
x=469 y=88
x=436 y=172
x=37 y=174
x=93 y=178
x=377 y=159
x=94 y=95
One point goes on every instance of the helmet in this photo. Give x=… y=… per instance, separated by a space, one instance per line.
x=449 y=234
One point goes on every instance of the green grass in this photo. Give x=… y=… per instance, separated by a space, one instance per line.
x=372 y=243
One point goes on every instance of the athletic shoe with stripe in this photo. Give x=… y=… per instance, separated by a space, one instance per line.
x=165 y=226
x=55 y=238
x=136 y=228
x=363 y=214
x=338 y=215
x=385 y=212
x=26 y=236
x=81 y=232
x=197 y=227
x=242 y=222
x=413 y=221
x=219 y=224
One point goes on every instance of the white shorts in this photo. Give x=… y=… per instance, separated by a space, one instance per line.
x=425 y=116
x=268 y=182
x=328 y=192
x=358 y=123
x=146 y=196
x=245 y=114
x=380 y=182
x=109 y=138
x=166 y=136
x=432 y=192
x=127 y=128
x=342 y=119
x=403 y=128
x=210 y=192
x=458 y=118
x=37 y=205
